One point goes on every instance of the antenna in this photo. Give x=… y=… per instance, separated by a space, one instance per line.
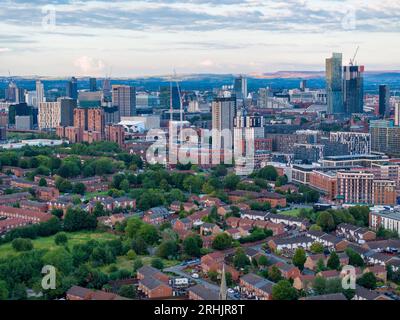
x=352 y=61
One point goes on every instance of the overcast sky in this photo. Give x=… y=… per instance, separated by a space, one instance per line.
x=152 y=37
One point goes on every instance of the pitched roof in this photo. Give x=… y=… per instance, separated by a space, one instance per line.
x=204 y=292
x=332 y=296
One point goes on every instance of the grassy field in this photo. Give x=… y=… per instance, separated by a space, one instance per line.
x=124 y=263
x=292 y=213
x=48 y=242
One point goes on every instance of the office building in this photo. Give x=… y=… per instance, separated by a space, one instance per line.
x=384 y=100
x=353 y=89
x=107 y=91
x=67 y=106
x=240 y=87
x=334 y=84
x=124 y=97
x=72 y=88
x=92 y=84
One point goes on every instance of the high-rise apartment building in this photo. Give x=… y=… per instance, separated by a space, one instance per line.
x=357 y=142
x=247 y=129
x=384 y=100
x=355 y=187
x=334 y=84
x=385 y=137
x=115 y=133
x=353 y=89
x=54 y=114
x=40 y=97
x=124 y=97
x=95 y=119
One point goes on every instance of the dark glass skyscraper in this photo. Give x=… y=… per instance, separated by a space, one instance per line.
x=384 y=100
x=92 y=84
x=353 y=89
x=72 y=88
x=334 y=84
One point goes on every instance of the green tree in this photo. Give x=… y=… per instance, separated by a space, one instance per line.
x=231 y=181
x=354 y=258
x=192 y=245
x=20 y=244
x=79 y=188
x=317 y=247
x=274 y=274
x=61 y=239
x=268 y=172
x=319 y=285
x=137 y=264
x=157 y=263
x=167 y=249
x=333 y=261
x=368 y=280
x=149 y=233
x=325 y=221
x=59 y=258
x=222 y=241
x=127 y=291
x=42 y=182
x=263 y=261
x=299 y=258
x=283 y=290
x=3 y=290
x=240 y=260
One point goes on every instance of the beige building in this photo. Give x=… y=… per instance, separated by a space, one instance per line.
x=49 y=115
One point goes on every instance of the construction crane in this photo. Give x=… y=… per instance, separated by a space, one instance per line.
x=352 y=61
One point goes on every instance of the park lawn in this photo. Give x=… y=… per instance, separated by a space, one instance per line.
x=90 y=195
x=124 y=263
x=292 y=213
x=48 y=242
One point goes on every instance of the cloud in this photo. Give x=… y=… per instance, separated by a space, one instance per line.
x=89 y=66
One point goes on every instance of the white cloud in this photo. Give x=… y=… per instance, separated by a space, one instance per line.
x=89 y=66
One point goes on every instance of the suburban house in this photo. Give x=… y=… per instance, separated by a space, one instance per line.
x=256 y=286
x=290 y=243
x=200 y=292
x=354 y=233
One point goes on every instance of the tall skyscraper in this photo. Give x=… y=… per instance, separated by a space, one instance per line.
x=107 y=90
x=334 y=84
x=353 y=89
x=72 y=88
x=303 y=85
x=39 y=93
x=124 y=97
x=67 y=106
x=240 y=87
x=92 y=84
x=384 y=100
x=223 y=114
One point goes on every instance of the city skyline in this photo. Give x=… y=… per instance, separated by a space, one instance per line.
x=137 y=38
